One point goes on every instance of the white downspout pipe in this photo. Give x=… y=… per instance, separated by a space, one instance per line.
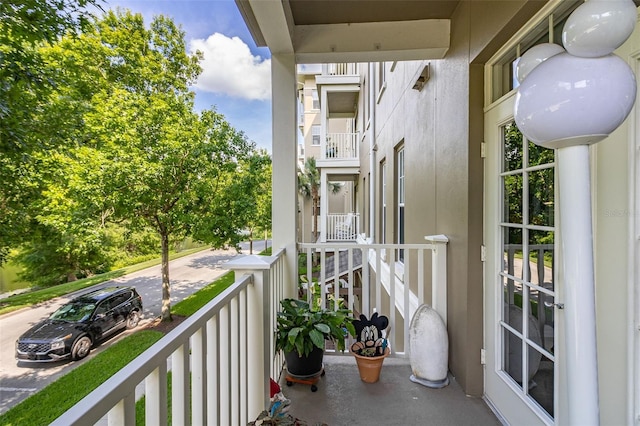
x=372 y=154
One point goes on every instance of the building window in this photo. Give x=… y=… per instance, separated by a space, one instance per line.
x=381 y=75
x=400 y=192
x=547 y=31
x=365 y=90
x=365 y=201
x=315 y=134
x=527 y=224
x=383 y=198
x=315 y=102
x=382 y=80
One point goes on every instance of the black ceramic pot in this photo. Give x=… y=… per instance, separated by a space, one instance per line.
x=305 y=366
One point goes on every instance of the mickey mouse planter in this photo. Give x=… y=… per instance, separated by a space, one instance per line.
x=371 y=346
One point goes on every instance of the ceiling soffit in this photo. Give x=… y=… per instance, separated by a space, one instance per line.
x=342 y=103
x=351 y=30
x=315 y=12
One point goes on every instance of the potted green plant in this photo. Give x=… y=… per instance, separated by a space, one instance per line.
x=301 y=333
x=371 y=346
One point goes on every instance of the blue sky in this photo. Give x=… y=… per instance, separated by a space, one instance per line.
x=236 y=78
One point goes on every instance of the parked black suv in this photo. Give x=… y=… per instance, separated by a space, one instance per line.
x=76 y=326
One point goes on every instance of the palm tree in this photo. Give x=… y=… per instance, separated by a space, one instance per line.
x=309 y=187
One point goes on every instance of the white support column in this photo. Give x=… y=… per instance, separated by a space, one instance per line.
x=439 y=274
x=576 y=247
x=284 y=153
x=324 y=122
x=324 y=205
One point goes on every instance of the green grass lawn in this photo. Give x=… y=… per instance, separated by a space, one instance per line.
x=191 y=304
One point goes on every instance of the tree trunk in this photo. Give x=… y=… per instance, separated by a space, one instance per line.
x=166 y=293
x=266 y=234
x=251 y=241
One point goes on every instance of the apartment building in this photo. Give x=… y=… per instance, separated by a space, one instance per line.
x=439 y=153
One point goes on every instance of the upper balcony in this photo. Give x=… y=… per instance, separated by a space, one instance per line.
x=340 y=150
x=339 y=89
x=339 y=73
x=342 y=227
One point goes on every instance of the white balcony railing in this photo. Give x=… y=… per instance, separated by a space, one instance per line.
x=341 y=146
x=342 y=226
x=220 y=360
x=344 y=68
x=395 y=289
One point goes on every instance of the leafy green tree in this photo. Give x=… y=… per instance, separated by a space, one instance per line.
x=170 y=171
x=25 y=26
x=64 y=225
x=309 y=185
x=263 y=217
x=252 y=192
x=68 y=236
x=25 y=85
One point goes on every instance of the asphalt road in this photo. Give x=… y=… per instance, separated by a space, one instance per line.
x=188 y=274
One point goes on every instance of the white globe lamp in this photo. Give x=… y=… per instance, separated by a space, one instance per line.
x=568 y=100
x=598 y=27
x=534 y=57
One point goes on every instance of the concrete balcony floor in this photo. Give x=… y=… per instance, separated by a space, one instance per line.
x=343 y=399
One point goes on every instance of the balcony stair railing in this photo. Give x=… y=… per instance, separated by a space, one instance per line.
x=383 y=284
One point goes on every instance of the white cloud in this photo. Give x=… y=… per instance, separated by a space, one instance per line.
x=229 y=68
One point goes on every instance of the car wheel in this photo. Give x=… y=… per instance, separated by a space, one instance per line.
x=133 y=319
x=81 y=348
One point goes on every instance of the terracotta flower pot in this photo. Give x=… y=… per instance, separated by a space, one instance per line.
x=369 y=367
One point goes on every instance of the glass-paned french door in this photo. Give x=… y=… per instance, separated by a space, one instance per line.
x=520 y=319
x=526 y=286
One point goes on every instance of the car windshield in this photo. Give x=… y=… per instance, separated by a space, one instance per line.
x=78 y=310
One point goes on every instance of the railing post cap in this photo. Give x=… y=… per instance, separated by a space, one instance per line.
x=249 y=262
x=437 y=238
